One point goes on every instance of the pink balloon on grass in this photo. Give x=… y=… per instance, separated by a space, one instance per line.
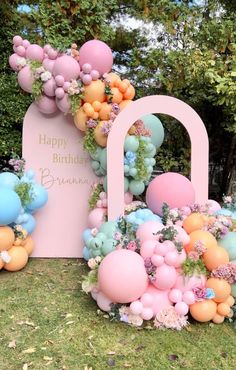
x=86 y=79
x=171 y=188
x=122 y=276
x=59 y=92
x=165 y=277
x=48 y=64
x=97 y=54
x=160 y=299
x=175 y=295
x=189 y=297
x=25 y=79
x=46 y=105
x=96 y=218
x=147 y=300
x=35 y=52
x=64 y=104
x=103 y=302
x=95 y=75
x=136 y=307
x=147 y=230
x=25 y=43
x=20 y=51
x=147 y=313
x=66 y=66
x=17 y=40
x=49 y=87
x=147 y=248
x=13 y=61
x=181 y=308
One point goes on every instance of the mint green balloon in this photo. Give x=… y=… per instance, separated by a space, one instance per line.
x=103 y=158
x=131 y=144
x=108 y=246
x=95 y=243
x=229 y=243
x=95 y=165
x=101 y=236
x=108 y=228
x=96 y=155
x=136 y=187
x=133 y=172
x=153 y=123
x=95 y=252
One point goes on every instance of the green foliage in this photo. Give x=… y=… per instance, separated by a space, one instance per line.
x=191 y=267
x=25 y=192
x=139 y=162
x=165 y=213
x=90 y=144
x=95 y=196
x=75 y=102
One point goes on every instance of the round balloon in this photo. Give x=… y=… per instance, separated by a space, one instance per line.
x=10 y=205
x=35 y=52
x=66 y=66
x=19 y=258
x=153 y=123
x=46 y=105
x=97 y=54
x=7 y=238
x=26 y=79
x=9 y=179
x=30 y=224
x=203 y=311
x=40 y=198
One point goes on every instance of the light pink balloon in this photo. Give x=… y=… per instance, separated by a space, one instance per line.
x=46 y=105
x=213 y=205
x=35 y=52
x=175 y=295
x=59 y=80
x=136 y=307
x=52 y=54
x=171 y=258
x=13 y=61
x=157 y=260
x=169 y=245
x=160 y=249
x=96 y=218
x=147 y=230
x=46 y=48
x=147 y=313
x=20 y=51
x=160 y=299
x=182 y=236
x=86 y=68
x=63 y=104
x=122 y=276
x=147 y=300
x=49 y=87
x=104 y=202
x=181 y=308
x=59 y=92
x=87 y=79
x=128 y=197
x=189 y=297
x=97 y=54
x=99 y=203
x=185 y=283
x=25 y=79
x=25 y=43
x=67 y=67
x=103 y=302
x=147 y=248
x=95 y=75
x=181 y=258
x=94 y=295
x=171 y=188
x=165 y=277
x=66 y=86
x=48 y=64
x=17 y=40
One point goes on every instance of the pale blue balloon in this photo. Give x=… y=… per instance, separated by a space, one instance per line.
x=224 y=212
x=9 y=179
x=101 y=236
x=232 y=253
x=233 y=290
x=10 y=206
x=86 y=253
x=86 y=235
x=40 y=198
x=30 y=224
x=95 y=165
x=153 y=123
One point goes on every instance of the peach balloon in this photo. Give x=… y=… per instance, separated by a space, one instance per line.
x=129 y=93
x=29 y=245
x=203 y=311
x=113 y=78
x=88 y=109
x=19 y=258
x=97 y=105
x=1 y=263
x=214 y=257
x=80 y=119
x=124 y=103
x=116 y=96
x=123 y=86
x=218 y=319
x=99 y=137
x=193 y=222
x=122 y=276
x=94 y=92
x=230 y=301
x=104 y=112
x=7 y=238
x=223 y=309
x=221 y=287
x=208 y=240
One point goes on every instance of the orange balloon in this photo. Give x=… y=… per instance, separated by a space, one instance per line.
x=7 y=238
x=203 y=311
x=17 y=242
x=105 y=111
x=218 y=319
x=123 y=86
x=96 y=105
x=193 y=222
x=99 y=137
x=88 y=109
x=113 y=78
x=126 y=81
x=214 y=257
x=1 y=263
x=208 y=240
x=19 y=258
x=94 y=91
x=221 y=287
x=124 y=103
x=230 y=301
x=95 y=115
x=29 y=245
x=116 y=95
x=80 y=119
x=130 y=93
x=223 y=309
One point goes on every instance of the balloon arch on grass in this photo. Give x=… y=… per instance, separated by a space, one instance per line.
x=158 y=260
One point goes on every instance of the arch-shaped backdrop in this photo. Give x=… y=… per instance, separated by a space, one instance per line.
x=163 y=105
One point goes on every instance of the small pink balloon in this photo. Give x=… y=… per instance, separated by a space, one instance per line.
x=17 y=40
x=136 y=307
x=86 y=68
x=99 y=204
x=97 y=54
x=147 y=313
x=59 y=80
x=157 y=260
x=165 y=277
x=35 y=52
x=189 y=297
x=171 y=258
x=96 y=218
x=122 y=276
x=182 y=236
x=181 y=258
x=185 y=283
x=213 y=205
x=104 y=203
x=103 y=195
x=20 y=50
x=49 y=87
x=67 y=67
x=160 y=299
x=25 y=43
x=81 y=74
x=147 y=300
x=87 y=79
x=160 y=249
x=63 y=104
x=46 y=47
x=52 y=54
x=25 y=79
x=175 y=295
x=181 y=308
x=103 y=302
x=13 y=61
x=66 y=86
x=169 y=245
x=128 y=197
x=48 y=64
x=147 y=248
x=15 y=48
x=94 y=295
x=46 y=105
x=95 y=75
x=147 y=230
x=59 y=92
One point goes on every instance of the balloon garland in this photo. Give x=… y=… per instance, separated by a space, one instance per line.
x=164 y=259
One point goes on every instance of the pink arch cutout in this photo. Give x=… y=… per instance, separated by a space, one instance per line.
x=163 y=105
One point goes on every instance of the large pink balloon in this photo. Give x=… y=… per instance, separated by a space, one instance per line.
x=171 y=188
x=66 y=66
x=96 y=217
x=63 y=104
x=13 y=61
x=46 y=105
x=48 y=64
x=160 y=299
x=25 y=79
x=185 y=283
x=122 y=276
x=97 y=54
x=49 y=87
x=165 y=277
x=147 y=230
x=213 y=205
x=35 y=52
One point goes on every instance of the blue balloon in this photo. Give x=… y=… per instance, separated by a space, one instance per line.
x=40 y=197
x=87 y=235
x=9 y=179
x=86 y=253
x=153 y=123
x=10 y=205
x=224 y=212
x=30 y=224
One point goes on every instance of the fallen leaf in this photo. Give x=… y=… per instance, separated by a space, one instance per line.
x=30 y=323
x=111 y=353
x=127 y=365
x=46 y=358
x=68 y=315
x=25 y=367
x=69 y=322
x=29 y=350
x=173 y=357
x=12 y=344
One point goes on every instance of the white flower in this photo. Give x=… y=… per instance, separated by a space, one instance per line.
x=94 y=231
x=5 y=256
x=45 y=76
x=98 y=259
x=135 y=320
x=92 y=263
x=174 y=213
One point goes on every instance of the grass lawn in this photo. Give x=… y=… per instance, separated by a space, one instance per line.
x=47 y=322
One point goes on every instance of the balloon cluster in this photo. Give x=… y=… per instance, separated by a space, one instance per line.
x=19 y=198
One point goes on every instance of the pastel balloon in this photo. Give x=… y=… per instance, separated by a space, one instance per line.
x=136 y=307
x=136 y=187
x=10 y=205
x=94 y=92
x=40 y=198
x=229 y=243
x=25 y=79
x=213 y=205
x=205 y=237
x=175 y=295
x=35 y=52
x=180 y=259
x=189 y=297
x=193 y=222
x=66 y=66
x=221 y=288
x=160 y=299
x=13 y=61
x=185 y=283
x=80 y=119
x=147 y=300
x=49 y=87
x=148 y=229
x=223 y=309
x=52 y=54
x=122 y=276
x=9 y=179
x=181 y=308
x=7 y=238
x=96 y=217
x=128 y=197
x=214 y=257
x=30 y=224
x=97 y=54
x=161 y=249
x=87 y=79
x=165 y=277
x=29 y=245
x=59 y=92
x=25 y=43
x=218 y=319
x=171 y=188
x=171 y=258
x=46 y=105
x=63 y=104
x=48 y=64
x=103 y=302
x=20 y=51
x=157 y=260
x=203 y=311
x=153 y=123
x=147 y=313
x=17 y=40
x=19 y=258
x=182 y=236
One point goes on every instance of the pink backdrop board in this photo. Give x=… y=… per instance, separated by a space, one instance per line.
x=53 y=148
x=115 y=144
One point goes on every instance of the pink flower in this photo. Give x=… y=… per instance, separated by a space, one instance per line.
x=193 y=256
x=168 y=318
x=117 y=235
x=132 y=246
x=199 y=248
x=200 y=293
x=94 y=231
